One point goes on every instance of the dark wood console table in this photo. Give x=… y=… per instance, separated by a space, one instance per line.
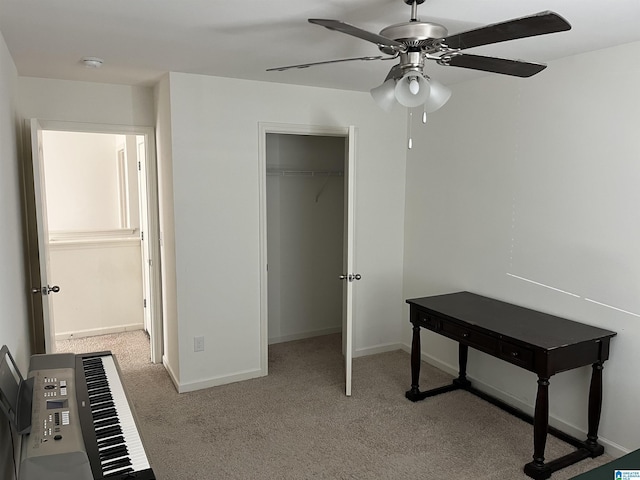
x=541 y=343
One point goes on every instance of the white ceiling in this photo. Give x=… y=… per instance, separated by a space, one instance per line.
x=140 y=40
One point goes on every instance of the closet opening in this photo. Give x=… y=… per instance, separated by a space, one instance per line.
x=305 y=232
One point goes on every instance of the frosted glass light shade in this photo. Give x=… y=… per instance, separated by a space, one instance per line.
x=438 y=97
x=404 y=93
x=384 y=95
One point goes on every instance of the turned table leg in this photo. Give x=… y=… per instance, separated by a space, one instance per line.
x=463 y=353
x=540 y=427
x=414 y=393
x=595 y=407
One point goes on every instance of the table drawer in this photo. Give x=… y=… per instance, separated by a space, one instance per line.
x=428 y=321
x=516 y=354
x=471 y=337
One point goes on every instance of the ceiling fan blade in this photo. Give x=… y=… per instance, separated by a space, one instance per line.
x=305 y=65
x=358 y=32
x=516 y=68
x=539 y=24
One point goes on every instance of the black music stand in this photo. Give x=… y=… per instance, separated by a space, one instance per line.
x=16 y=394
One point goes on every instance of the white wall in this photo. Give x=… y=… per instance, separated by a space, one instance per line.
x=70 y=101
x=13 y=291
x=164 y=153
x=101 y=287
x=537 y=178
x=305 y=217
x=81 y=165
x=214 y=135
x=14 y=323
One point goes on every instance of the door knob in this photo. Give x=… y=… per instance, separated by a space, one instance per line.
x=351 y=277
x=46 y=290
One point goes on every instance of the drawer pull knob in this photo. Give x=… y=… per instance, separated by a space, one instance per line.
x=465 y=335
x=514 y=354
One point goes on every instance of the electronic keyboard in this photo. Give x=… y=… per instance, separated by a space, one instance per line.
x=82 y=425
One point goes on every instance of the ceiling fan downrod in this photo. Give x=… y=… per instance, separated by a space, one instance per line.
x=414 y=8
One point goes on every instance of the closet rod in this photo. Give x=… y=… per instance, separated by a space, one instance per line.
x=304 y=173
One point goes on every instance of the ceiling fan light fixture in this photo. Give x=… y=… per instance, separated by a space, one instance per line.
x=438 y=96
x=385 y=95
x=412 y=89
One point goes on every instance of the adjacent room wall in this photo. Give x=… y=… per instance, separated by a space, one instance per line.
x=13 y=285
x=518 y=181
x=100 y=287
x=81 y=165
x=214 y=134
x=94 y=244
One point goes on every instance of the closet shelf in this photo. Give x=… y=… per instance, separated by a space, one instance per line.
x=283 y=172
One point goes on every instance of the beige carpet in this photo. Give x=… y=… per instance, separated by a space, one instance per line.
x=296 y=423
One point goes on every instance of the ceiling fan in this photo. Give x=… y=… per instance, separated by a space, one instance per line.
x=415 y=41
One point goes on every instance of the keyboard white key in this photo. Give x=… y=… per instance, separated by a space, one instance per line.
x=132 y=440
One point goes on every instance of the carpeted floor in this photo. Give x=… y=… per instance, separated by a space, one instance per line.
x=296 y=423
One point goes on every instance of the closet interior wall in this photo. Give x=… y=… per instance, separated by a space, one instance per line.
x=305 y=224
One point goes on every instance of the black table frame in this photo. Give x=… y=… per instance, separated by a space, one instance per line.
x=538 y=342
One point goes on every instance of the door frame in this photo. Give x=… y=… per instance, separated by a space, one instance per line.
x=151 y=177
x=316 y=130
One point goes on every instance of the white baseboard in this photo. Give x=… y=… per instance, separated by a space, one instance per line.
x=92 y=332
x=169 y=370
x=387 y=347
x=303 y=335
x=210 y=382
x=217 y=381
x=610 y=447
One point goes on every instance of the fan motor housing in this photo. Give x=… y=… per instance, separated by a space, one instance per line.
x=415 y=34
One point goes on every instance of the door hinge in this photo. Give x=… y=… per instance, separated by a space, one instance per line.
x=142 y=236
x=144 y=303
x=139 y=167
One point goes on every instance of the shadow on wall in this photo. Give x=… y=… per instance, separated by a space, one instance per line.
x=7 y=462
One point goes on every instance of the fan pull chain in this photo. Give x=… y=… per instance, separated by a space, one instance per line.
x=410 y=142
x=424 y=114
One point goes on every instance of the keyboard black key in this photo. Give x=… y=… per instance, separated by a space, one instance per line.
x=118 y=463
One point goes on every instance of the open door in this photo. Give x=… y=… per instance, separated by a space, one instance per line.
x=349 y=276
x=39 y=242
x=142 y=138
x=348 y=252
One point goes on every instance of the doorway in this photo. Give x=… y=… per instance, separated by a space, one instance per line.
x=96 y=195
x=287 y=255
x=305 y=224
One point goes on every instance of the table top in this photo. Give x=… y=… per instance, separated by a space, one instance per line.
x=497 y=317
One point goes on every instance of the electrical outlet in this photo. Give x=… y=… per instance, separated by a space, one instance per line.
x=198 y=344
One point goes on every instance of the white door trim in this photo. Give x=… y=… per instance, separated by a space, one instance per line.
x=291 y=129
